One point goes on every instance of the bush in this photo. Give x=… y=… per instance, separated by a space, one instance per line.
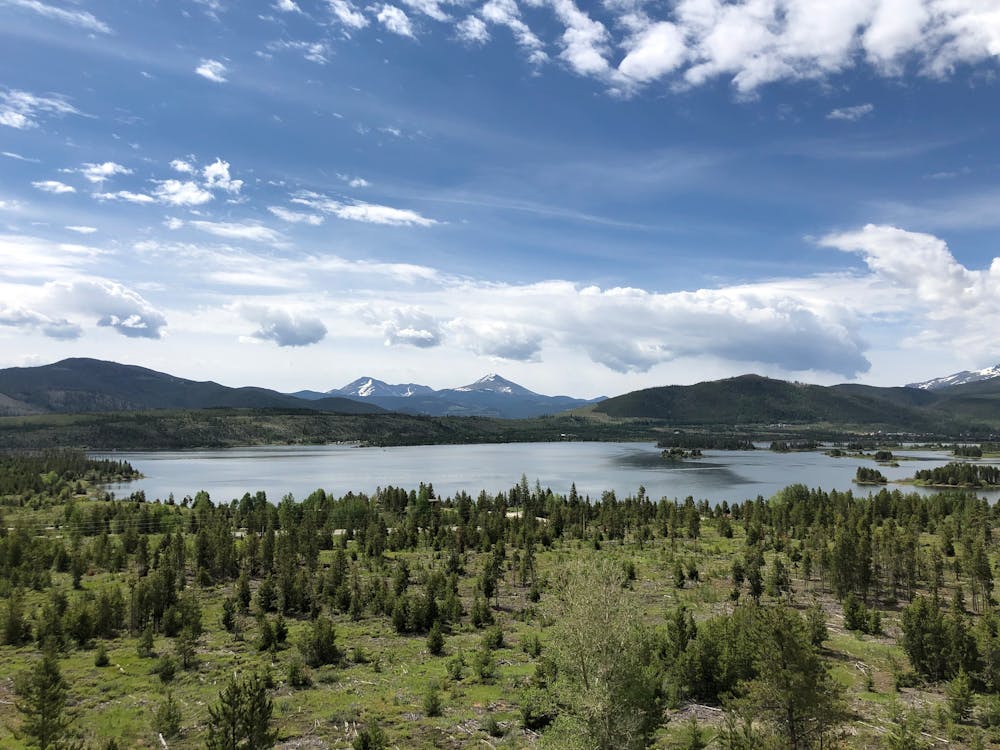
x=483 y=665
x=101 y=657
x=298 y=673
x=371 y=737
x=493 y=638
x=491 y=726
x=319 y=646
x=455 y=666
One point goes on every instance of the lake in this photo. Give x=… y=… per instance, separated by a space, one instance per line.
x=594 y=467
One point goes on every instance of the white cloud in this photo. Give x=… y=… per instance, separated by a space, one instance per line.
x=430 y=8
x=506 y=13
x=213 y=70
x=126 y=195
x=98 y=173
x=235 y=231
x=347 y=14
x=370 y=213
x=178 y=193
x=412 y=327
x=287 y=6
x=53 y=186
x=491 y=338
x=80 y=18
x=585 y=41
x=295 y=217
x=472 y=30
x=851 y=114
x=317 y=52
x=657 y=50
x=183 y=166
x=10 y=205
x=55 y=328
x=18 y=157
x=20 y=109
x=395 y=20
x=217 y=177
x=80 y=229
x=284 y=328
x=114 y=305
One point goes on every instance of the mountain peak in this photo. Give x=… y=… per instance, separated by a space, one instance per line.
x=496 y=384
x=958 y=378
x=369 y=387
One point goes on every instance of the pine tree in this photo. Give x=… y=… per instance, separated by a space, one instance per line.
x=242 y=718
x=43 y=693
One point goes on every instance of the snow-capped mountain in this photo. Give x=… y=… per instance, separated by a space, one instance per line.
x=496 y=384
x=491 y=395
x=370 y=387
x=959 y=378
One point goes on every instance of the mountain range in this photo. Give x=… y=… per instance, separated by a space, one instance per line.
x=89 y=385
x=490 y=396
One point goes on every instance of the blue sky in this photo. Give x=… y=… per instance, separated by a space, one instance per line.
x=586 y=197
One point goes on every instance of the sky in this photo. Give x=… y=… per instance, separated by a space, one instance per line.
x=588 y=198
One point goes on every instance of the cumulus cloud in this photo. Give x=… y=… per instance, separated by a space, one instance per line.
x=53 y=186
x=655 y=51
x=54 y=328
x=491 y=338
x=21 y=110
x=213 y=70
x=395 y=20
x=183 y=166
x=411 y=327
x=181 y=193
x=851 y=114
x=115 y=306
x=370 y=213
x=345 y=12
x=284 y=328
x=217 y=177
x=98 y=173
x=287 y=6
x=80 y=18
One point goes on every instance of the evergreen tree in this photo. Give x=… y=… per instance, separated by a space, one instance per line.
x=42 y=694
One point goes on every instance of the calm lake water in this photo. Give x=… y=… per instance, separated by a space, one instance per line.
x=594 y=467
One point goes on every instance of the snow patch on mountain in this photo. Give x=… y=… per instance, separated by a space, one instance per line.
x=958 y=378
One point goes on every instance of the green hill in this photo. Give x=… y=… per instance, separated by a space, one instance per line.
x=83 y=385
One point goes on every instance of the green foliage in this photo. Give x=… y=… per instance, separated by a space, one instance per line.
x=319 y=646
x=167 y=719
x=242 y=717
x=959 y=693
x=435 y=639
x=432 y=699
x=602 y=652
x=42 y=694
x=370 y=737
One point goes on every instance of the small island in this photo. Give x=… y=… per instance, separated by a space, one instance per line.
x=869 y=476
x=679 y=454
x=958 y=474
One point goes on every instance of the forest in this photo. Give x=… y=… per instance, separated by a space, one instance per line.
x=811 y=619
